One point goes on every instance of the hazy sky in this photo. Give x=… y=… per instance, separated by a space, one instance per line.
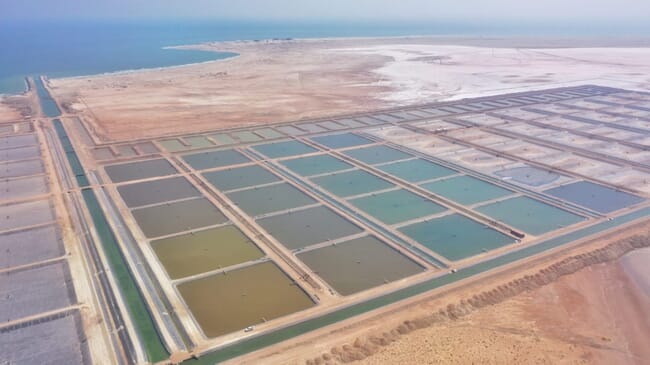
x=546 y=11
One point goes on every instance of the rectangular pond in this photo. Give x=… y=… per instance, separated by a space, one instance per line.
x=290 y=130
x=24 y=247
x=23 y=168
x=169 y=218
x=342 y=140
x=240 y=177
x=203 y=251
x=350 y=123
x=397 y=206
x=311 y=128
x=268 y=133
x=307 y=227
x=359 y=264
x=351 y=183
x=417 y=170
x=139 y=170
x=225 y=303
x=466 y=190
x=212 y=159
x=25 y=214
x=456 y=237
x=24 y=187
x=530 y=215
x=20 y=153
x=56 y=340
x=333 y=126
x=18 y=141
x=31 y=291
x=173 y=145
x=284 y=149
x=7 y=129
x=157 y=191
x=529 y=175
x=147 y=147
x=102 y=153
x=245 y=136
x=315 y=165
x=199 y=142
x=596 y=197
x=223 y=139
x=268 y=199
x=126 y=151
x=377 y=154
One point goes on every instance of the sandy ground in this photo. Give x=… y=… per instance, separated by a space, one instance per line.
x=291 y=80
x=636 y=266
x=594 y=315
x=10 y=109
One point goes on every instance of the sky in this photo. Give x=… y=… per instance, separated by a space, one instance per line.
x=540 y=11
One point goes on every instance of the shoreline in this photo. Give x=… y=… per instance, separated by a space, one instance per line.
x=25 y=91
x=447 y=40
x=133 y=70
x=622 y=41
x=149 y=69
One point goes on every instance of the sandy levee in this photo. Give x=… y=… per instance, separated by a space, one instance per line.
x=274 y=81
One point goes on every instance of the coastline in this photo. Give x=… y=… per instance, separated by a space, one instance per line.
x=228 y=55
x=153 y=69
x=451 y=39
x=460 y=40
x=489 y=41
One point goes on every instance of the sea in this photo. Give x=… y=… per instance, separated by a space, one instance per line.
x=73 y=48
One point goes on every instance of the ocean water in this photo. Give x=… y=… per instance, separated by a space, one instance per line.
x=60 y=50
x=76 y=49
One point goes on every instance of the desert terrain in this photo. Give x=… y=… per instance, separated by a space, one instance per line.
x=288 y=80
x=13 y=108
x=594 y=316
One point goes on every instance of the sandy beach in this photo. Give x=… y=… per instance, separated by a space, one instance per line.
x=290 y=80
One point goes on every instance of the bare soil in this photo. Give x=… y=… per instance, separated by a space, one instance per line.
x=13 y=108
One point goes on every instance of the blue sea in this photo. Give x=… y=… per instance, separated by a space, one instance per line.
x=59 y=49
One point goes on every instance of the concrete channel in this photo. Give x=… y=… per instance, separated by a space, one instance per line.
x=147 y=336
